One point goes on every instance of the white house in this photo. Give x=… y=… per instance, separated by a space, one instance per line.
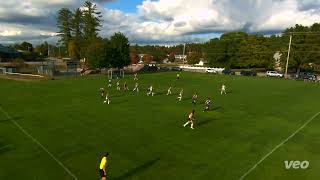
x=201 y=62
x=180 y=57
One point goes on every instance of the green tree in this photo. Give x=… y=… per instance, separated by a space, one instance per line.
x=64 y=22
x=77 y=31
x=193 y=58
x=72 y=50
x=96 y=54
x=91 y=20
x=119 y=50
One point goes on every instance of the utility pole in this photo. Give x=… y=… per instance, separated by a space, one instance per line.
x=184 y=51
x=48 y=50
x=288 y=57
x=59 y=51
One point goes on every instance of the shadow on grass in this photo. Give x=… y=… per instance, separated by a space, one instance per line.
x=161 y=93
x=137 y=170
x=215 y=108
x=118 y=101
x=187 y=99
x=205 y=122
x=6 y=148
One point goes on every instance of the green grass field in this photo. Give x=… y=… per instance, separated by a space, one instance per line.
x=144 y=135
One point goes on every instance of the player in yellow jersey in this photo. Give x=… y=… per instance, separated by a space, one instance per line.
x=103 y=167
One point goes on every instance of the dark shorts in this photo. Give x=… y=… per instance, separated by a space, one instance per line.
x=101 y=172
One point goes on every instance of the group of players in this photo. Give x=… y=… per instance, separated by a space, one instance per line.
x=150 y=92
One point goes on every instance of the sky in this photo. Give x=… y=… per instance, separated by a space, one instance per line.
x=164 y=22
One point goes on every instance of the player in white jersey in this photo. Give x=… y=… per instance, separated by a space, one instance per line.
x=194 y=98
x=150 y=91
x=136 y=87
x=135 y=77
x=223 y=89
x=180 y=95
x=207 y=105
x=107 y=99
x=118 y=86
x=110 y=83
x=169 y=91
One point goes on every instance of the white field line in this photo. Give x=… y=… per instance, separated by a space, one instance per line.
x=278 y=146
x=38 y=143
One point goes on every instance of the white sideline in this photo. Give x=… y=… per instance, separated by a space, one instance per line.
x=279 y=145
x=38 y=143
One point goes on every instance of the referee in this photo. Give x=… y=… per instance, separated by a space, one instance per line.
x=103 y=166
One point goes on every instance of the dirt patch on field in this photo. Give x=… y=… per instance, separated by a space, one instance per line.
x=21 y=78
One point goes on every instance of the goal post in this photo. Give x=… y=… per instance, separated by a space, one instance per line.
x=110 y=74
x=115 y=74
x=121 y=73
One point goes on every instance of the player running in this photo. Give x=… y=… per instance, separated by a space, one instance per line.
x=110 y=83
x=125 y=86
x=107 y=99
x=136 y=87
x=223 y=89
x=102 y=92
x=118 y=86
x=150 y=91
x=207 y=105
x=194 y=98
x=190 y=119
x=169 y=91
x=180 y=95
x=135 y=77
x=103 y=166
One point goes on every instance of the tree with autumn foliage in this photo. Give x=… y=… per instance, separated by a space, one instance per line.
x=172 y=57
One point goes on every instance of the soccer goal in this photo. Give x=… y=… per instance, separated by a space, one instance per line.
x=115 y=74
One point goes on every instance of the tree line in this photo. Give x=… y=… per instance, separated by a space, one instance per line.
x=79 y=35
x=240 y=50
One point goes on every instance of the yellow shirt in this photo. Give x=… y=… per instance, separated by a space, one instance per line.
x=103 y=162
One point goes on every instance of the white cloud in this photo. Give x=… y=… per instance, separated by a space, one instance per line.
x=9 y=33
x=163 y=20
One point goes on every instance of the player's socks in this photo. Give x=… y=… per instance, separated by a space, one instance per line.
x=185 y=124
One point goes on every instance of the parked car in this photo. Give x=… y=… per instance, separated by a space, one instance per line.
x=307 y=76
x=176 y=69
x=228 y=72
x=274 y=74
x=164 y=69
x=210 y=70
x=248 y=73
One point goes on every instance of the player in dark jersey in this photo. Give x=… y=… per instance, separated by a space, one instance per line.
x=102 y=93
x=190 y=119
